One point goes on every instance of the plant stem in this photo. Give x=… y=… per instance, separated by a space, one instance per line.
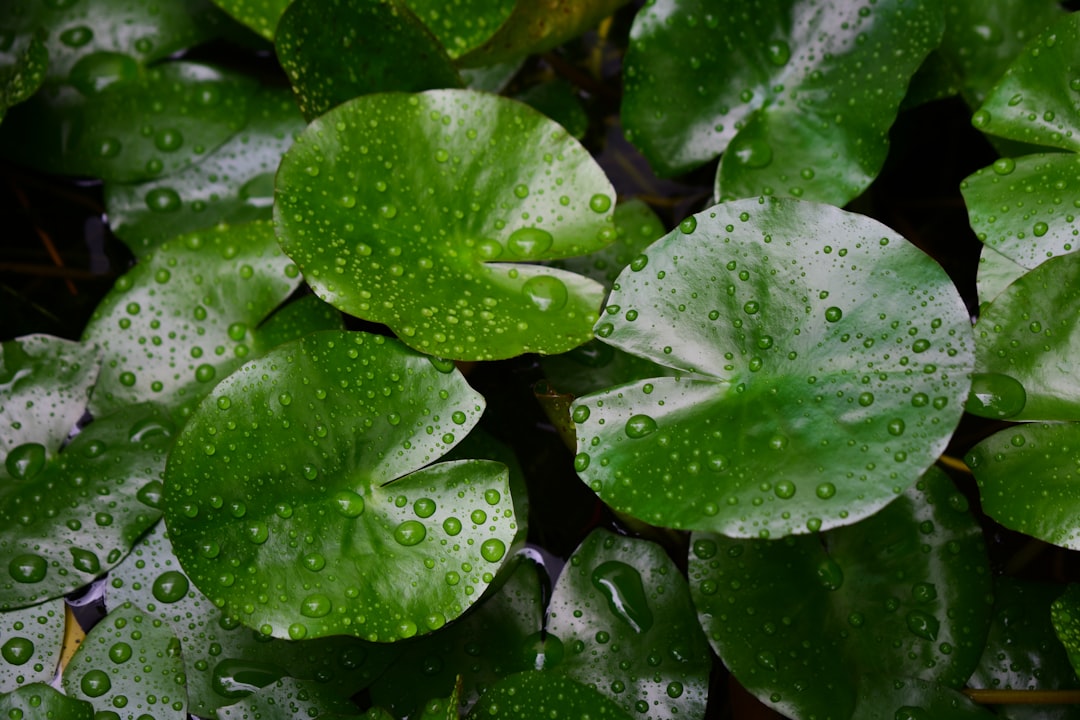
x=1023 y=697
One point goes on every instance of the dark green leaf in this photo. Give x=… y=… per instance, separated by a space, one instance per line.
x=886 y=698
x=535 y=695
x=802 y=621
x=1028 y=480
x=30 y=642
x=426 y=230
x=1065 y=615
x=621 y=614
x=41 y=701
x=262 y=16
x=109 y=668
x=462 y=25
x=66 y=520
x=288 y=699
x=298 y=318
x=21 y=80
x=636 y=227
x=334 y=50
x=557 y=99
x=186 y=315
x=826 y=358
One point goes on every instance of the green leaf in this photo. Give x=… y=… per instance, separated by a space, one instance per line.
x=262 y=16
x=1035 y=101
x=21 y=80
x=996 y=272
x=108 y=669
x=298 y=318
x=534 y=695
x=1065 y=616
x=335 y=50
x=882 y=698
x=426 y=231
x=223 y=660
x=798 y=96
x=68 y=519
x=491 y=78
x=905 y=593
x=41 y=701
x=826 y=358
x=234 y=184
x=44 y=385
x=558 y=100
x=288 y=699
x=1020 y=340
x=1028 y=481
x=30 y=644
x=388 y=550
x=636 y=227
x=462 y=25
x=117 y=121
x=186 y=315
x=627 y=627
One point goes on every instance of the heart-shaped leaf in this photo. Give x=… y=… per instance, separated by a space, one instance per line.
x=827 y=360
x=234 y=184
x=395 y=207
x=1065 y=615
x=186 y=315
x=541 y=695
x=42 y=701
x=22 y=79
x=262 y=16
x=67 y=519
x=30 y=642
x=108 y=669
x=623 y=614
x=1028 y=480
x=462 y=25
x=288 y=699
x=803 y=620
x=1035 y=101
x=334 y=51
x=347 y=534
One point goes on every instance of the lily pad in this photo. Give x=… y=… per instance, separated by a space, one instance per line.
x=66 y=520
x=622 y=615
x=262 y=16
x=288 y=699
x=826 y=360
x=996 y=272
x=1025 y=343
x=1028 y=479
x=530 y=695
x=349 y=533
x=905 y=593
x=334 y=50
x=30 y=642
x=41 y=700
x=22 y=79
x=883 y=698
x=558 y=100
x=799 y=96
x=462 y=25
x=186 y=315
x=426 y=230
x=295 y=319
x=1034 y=102
x=108 y=668
x=234 y=184
x=1065 y=615
x=636 y=227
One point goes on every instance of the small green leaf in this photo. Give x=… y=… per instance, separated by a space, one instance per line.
x=826 y=360
x=108 y=669
x=334 y=50
x=288 y=699
x=294 y=320
x=262 y=16
x=186 y=316
x=22 y=79
x=1065 y=615
x=543 y=695
x=426 y=231
x=462 y=25
x=42 y=701
x=1028 y=480
x=996 y=272
x=905 y=593
x=30 y=643
x=636 y=227
x=622 y=617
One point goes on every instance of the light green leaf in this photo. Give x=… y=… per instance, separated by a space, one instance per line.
x=30 y=643
x=996 y=272
x=41 y=700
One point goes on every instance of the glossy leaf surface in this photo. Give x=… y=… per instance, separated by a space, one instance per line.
x=905 y=593
x=636 y=227
x=1029 y=479
x=335 y=50
x=826 y=363
x=22 y=79
x=1025 y=341
x=558 y=100
x=623 y=616
x=462 y=25
x=535 y=695
x=287 y=699
x=1035 y=101
x=262 y=16
x=798 y=96
x=348 y=535
x=233 y=184
x=996 y=272
x=186 y=316
x=30 y=641
x=1065 y=615
x=108 y=668
x=41 y=700
x=68 y=519
x=427 y=230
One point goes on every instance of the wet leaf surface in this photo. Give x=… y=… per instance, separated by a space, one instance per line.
x=1065 y=615
x=22 y=79
x=427 y=230
x=262 y=16
x=540 y=694
x=462 y=25
x=905 y=593
x=30 y=641
x=287 y=699
x=815 y=389
x=41 y=700
x=882 y=698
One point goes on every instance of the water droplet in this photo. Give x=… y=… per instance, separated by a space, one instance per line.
x=599 y=203
x=96 y=71
x=995 y=395
x=866 y=399
x=170 y=586
x=1040 y=229
x=638 y=263
x=521 y=191
x=580 y=414
x=410 y=532
x=1004 y=166
x=687 y=226
x=638 y=426
x=529 y=242
x=298 y=631
x=28 y=568
x=168 y=140
x=452 y=526
x=77 y=36
x=85 y=561
x=493 y=550
x=581 y=462
x=766 y=660
x=348 y=503
x=25 y=461
x=316 y=605
x=163 y=199
x=896 y=427
x=751 y=152
x=825 y=490
x=232 y=678
x=95 y=683
x=622 y=586
x=923 y=625
x=17 y=650
x=314 y=562
x=830 y=574
x=784 y=489
x=424 y=507
x=546 y=292
x=542 y=651
x=981 y=118
x=924 y=592
x=834 y=314
x=205 y=373
x=120 y=652
x=674 y=689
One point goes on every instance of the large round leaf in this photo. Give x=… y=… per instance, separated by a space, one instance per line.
x=186 y=315
x=395 y=207
x=1029 y=480
x=30 y=643
x=803 y=621
x=304 y=467
x=827 y=360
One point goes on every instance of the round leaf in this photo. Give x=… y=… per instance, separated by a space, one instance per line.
x=186 y=315
x=344 y=533
x=1028 y=480
x=395 y=206
x=463 y=24
x=30 y=643
x=531 y=695
x=66 y=520
x=41 y=700
x=288 y=699
x=262 y=16
x=801 y=620
x=824 y=375
x=334 y=50
x=627 y=626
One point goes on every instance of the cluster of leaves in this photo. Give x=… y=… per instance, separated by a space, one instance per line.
x=279 y=510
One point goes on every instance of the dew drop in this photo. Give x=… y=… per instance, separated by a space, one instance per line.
x=546 y=292
x=896 y=427
x=639 y=426
x=751 y=152
x=171 y=586
x=316 y=605
x=995 y=395
x=529 y=242
x=28 y=568
x=163 y=199
x=95 y=683
x=599 y=203
x=825 y=490
x=17 y=650
x=409 y=533
x=622 y=586
x=120 y=652
x=493 y=550
x=348 y=503
x=923 y=625
x=25 y=461
x=85 y=561
x=833 y=314
x=424 y=507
